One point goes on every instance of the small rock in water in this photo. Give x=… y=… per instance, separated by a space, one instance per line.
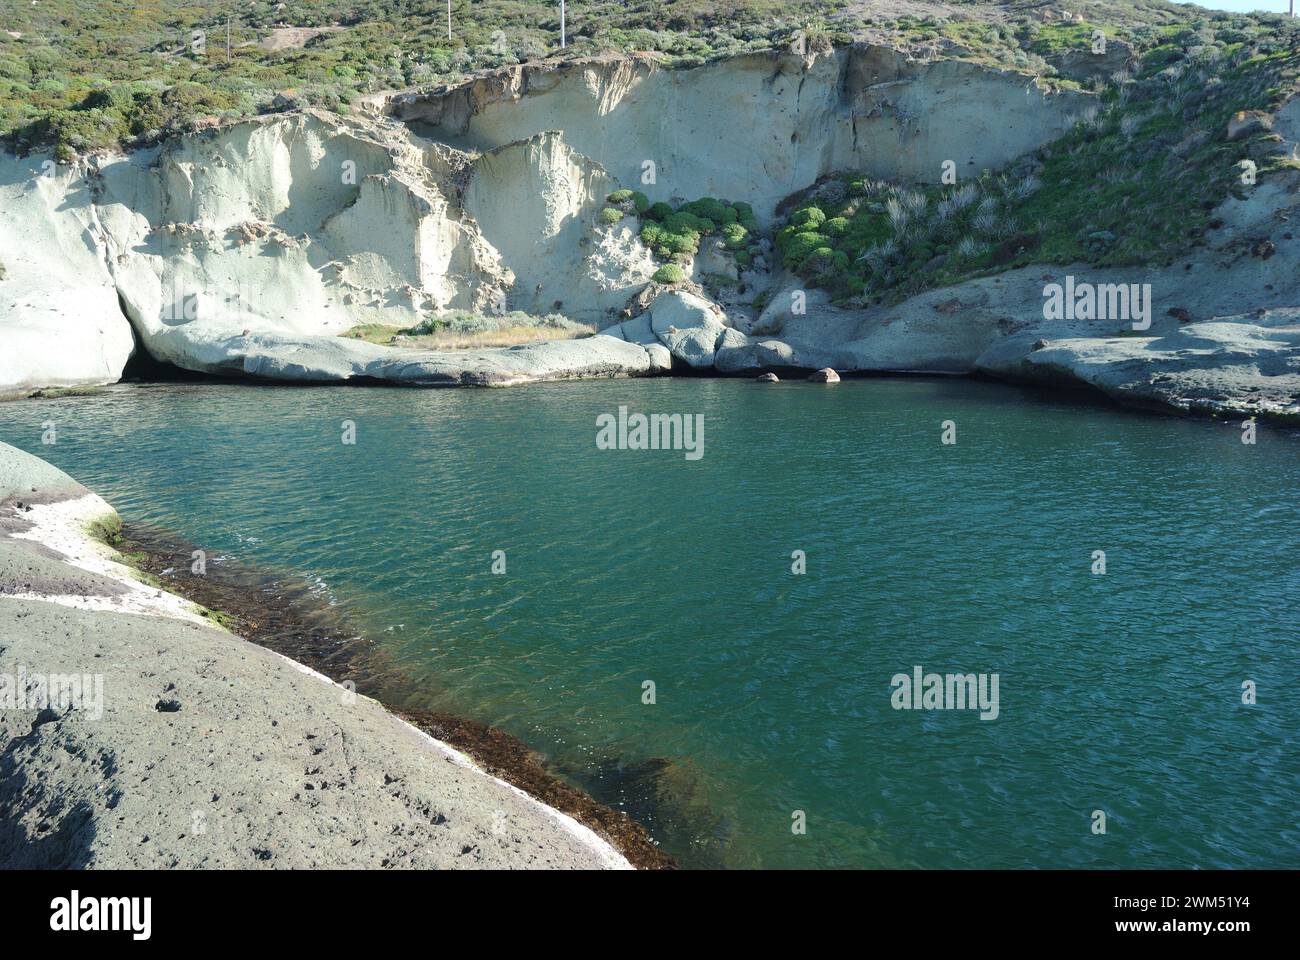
x=824 y=375
x=1180 y=314
x=768 y=378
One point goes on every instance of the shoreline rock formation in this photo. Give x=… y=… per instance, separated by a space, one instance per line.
x=759 y=126
x=140 y=735
x=246 y=250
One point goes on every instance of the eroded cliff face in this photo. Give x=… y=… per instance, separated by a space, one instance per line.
x=248 y=248
x=59 y=319
x=296 y=226
x=535 y=200
x=221 y=247
x=334 y=224
x=757 y=127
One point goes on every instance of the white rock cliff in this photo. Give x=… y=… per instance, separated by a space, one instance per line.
x=248 y=249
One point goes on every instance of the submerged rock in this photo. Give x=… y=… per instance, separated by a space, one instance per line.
x=768 y=378
x=824 y=375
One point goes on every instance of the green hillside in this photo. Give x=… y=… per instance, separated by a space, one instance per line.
x=87 y=74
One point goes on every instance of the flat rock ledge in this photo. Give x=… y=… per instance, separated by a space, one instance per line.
x=189 y=747
x=333 y=359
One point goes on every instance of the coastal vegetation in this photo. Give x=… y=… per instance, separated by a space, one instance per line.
x=81 y=75
x=674 y=233
x=106 y=529
x=462 y=329
x=1135 y=182
x=50 y=393
x=669 y=273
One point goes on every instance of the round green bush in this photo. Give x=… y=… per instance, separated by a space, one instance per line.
x=683 y=221
x=708 y=208
x=611 y=215
x=686 y=243
x=640 y=202
x=669 y=273
x=659 y=211
x=736 y=236
x=619 y=196
x=821 y=264
x=836 y=226
x=801 y=246
x=808 y=217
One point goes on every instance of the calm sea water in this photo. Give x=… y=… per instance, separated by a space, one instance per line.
x=1119 y=693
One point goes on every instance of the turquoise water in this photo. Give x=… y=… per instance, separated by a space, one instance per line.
x=1119 y=692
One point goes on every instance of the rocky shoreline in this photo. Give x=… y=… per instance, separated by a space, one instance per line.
x=250 y=249
x=285 y=617
x=138 y=733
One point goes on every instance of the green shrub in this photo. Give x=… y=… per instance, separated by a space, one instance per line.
x=669 y=273
x=611 y=215
x=800 y=246
x=675 y=234
x=465 y=321
x=683 y=221
x=683 y=243
x=808 y=217
x=736 y=236
x=619 y=196
x=708 y=208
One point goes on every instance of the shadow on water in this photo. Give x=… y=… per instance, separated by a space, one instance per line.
x=646 y=807
x=664 y=796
